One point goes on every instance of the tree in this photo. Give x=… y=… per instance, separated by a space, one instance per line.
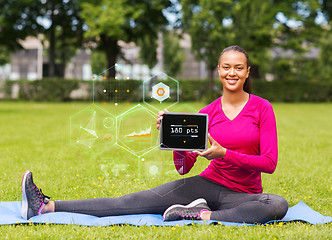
x=203 y=20
x=127 y=20
x=66 y=29
x=214 y=25
x=325 y=55
x=4 y=55
x=16 y=22
x=98 y=62
x=252 y=26
x=173 y=53
x=148 y=51
x=299 y=32
x=327 y=9
x=56 y=20
x=257 y=26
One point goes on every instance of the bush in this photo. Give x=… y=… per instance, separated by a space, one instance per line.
x=49 y=89
x=293 y=91
x=57 y=89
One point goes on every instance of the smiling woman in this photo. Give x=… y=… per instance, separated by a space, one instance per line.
x=243 y=135
x=234 y=69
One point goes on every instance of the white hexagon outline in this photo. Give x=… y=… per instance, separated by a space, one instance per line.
x=177 y=90
x=117 y=130
x=84 y=109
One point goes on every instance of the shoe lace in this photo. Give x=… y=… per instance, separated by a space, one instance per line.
x=43 y=198
x=187 y=214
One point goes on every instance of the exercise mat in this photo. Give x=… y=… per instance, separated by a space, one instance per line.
x=10 y=213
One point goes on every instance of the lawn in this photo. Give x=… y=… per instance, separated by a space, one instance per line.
x=36 y=136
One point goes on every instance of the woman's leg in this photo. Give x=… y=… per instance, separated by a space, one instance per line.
x=156 y=200
x=250 y=208
x=226 y=205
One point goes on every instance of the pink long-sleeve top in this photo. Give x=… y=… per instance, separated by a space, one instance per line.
x=251 y=143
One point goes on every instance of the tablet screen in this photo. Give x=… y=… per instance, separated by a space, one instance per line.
x=183 y=131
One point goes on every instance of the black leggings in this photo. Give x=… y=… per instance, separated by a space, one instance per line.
x=226 y=205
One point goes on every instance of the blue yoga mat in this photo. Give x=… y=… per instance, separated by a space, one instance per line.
x=10 y=213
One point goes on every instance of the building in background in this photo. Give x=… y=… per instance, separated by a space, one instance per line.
x=79 y=66
x=30 y=63
x=191 y=68
x=27 y=63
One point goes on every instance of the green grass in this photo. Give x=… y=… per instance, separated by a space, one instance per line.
x=36 y=136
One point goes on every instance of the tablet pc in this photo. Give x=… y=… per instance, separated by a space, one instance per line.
x=183 y=131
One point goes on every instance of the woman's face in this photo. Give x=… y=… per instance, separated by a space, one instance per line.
x=233 y=70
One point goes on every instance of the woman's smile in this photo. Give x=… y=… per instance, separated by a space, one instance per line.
x=232 y=81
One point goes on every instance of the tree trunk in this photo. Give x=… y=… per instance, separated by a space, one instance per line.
x=112 y=50
x=51 y=64
x=63 y=53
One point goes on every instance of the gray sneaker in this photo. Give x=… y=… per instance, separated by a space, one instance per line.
x=33 y=200
x=192 y=211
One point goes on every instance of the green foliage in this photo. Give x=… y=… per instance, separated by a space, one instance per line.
x=298 y=31
x=306 y=70
x=257 y=26
x=289 y=31
x=202 y=19
x=190 y=90
x=4 y=55
x=17 y=22
x=275 y=91
x=126 y=20
x=106 y=17
x=293 y=91
x=214 y=25
x=58 y=21
x=148 y=51
x=98 y=62
x=173 y=54
x=327 y=9
x=251 y=28
x=283 y=69
x=325 y=57
x=45 y=90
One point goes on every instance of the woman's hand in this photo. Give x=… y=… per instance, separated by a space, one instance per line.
x=215 y=151
x=160 y=116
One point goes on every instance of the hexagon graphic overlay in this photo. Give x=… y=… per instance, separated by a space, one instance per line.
x=136 y=130
x=93 y=128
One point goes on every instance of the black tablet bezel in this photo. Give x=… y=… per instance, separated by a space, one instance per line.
x=203 y=121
